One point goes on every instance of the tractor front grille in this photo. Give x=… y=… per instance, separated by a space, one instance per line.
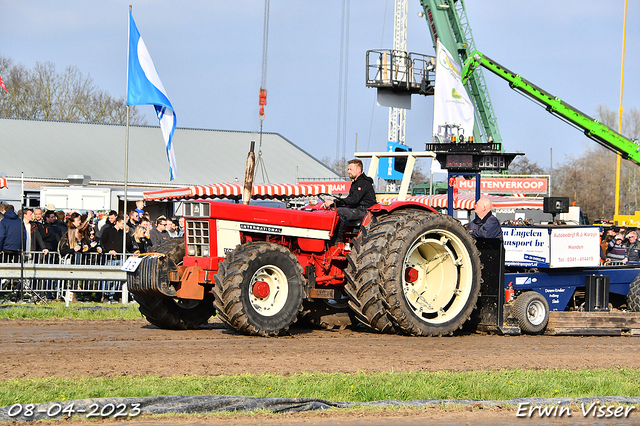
x=196 y=209
x=197 y=238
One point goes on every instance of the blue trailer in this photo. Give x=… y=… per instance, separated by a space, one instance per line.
x=555 y=272
x=559 y=287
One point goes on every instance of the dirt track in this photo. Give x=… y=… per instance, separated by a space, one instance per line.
x=116 y=347
x=68 y=348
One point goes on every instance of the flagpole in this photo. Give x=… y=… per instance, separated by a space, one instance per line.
x=126 y=178
x=126 y=161
x=616 y=210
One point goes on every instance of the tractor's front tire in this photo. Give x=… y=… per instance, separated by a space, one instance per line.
x=259 y=289
x=176 y=314
x=164 y=311
x=173 y=248
x=430 y=275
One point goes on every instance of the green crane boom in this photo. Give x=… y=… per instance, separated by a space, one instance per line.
x=628 y=148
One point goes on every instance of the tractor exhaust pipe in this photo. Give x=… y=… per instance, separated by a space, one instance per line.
x=248 y=175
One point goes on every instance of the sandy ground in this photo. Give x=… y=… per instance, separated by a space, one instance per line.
x=34 y=348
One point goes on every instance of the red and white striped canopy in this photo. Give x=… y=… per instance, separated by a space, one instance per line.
x=233 y=190
x=3 y=182
x=467 y=201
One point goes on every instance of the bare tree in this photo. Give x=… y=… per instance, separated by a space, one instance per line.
x=607 y=116
x=43 y=93
x=589 y=179
x=629 y=171
x=338 y=165
x=523 y=166
x=419 y=176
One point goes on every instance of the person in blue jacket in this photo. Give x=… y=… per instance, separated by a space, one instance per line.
x=11 y=230
x=485 y=224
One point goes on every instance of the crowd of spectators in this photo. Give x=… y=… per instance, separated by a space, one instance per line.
x=48 y=230
x=52 y=236
x=619 y=245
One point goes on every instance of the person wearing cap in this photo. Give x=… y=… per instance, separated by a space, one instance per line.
x=633 y=251
x=616 y=251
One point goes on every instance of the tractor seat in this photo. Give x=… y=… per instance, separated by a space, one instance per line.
x=353 y=223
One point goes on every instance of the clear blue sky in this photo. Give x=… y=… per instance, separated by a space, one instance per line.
x=208 y=54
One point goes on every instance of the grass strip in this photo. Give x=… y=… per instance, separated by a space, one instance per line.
x=81 y=311
x=363 y=387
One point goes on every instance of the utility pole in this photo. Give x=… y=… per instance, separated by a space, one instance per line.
x=397 y=116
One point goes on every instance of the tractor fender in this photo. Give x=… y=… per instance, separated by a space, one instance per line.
x=387 y=208
x=396 y=205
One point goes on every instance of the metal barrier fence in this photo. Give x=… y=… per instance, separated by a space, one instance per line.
x=93 y=276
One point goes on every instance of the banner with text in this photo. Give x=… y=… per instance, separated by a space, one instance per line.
x=526 y=246
x=571 y=247
x=544 y=247
x=337 y=186
x=505 y=185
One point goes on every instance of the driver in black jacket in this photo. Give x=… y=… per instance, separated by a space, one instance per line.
x=361 y=196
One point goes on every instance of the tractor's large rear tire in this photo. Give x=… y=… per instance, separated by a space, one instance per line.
x=430 y=275
x=259 y=289
x=363 y=277
x=175 y=314
x=633 y=297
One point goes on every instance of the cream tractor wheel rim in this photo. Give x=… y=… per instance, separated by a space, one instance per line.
x=268 y=290
x=437 y=276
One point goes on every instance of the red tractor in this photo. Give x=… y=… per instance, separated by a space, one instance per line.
x=408 y=270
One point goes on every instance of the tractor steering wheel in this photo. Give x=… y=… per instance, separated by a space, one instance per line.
x=335 y=199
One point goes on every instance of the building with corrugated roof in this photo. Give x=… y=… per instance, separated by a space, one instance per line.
x=49 y=153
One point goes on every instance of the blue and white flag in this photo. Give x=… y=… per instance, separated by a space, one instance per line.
x=145 y=88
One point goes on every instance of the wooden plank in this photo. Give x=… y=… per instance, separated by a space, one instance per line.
x=615 y=323
x=574 y=331
x=587 y=320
